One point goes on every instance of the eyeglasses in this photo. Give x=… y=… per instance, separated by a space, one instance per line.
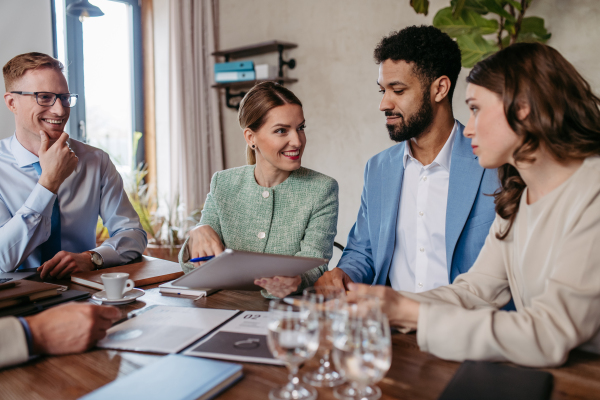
x=47 y=99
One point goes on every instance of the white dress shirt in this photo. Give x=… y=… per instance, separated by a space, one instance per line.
x=94 y=189
x=419 y=260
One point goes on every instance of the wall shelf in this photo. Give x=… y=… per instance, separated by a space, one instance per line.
x=253 y=50
x=243 y=84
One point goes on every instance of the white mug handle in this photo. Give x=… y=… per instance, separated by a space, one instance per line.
x=128 y=286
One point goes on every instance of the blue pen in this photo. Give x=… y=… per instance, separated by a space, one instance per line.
x=193 y=260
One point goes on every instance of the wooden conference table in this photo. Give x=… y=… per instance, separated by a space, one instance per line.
x=413 y=375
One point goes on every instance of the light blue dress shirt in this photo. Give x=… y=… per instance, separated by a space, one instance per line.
x=94 y=189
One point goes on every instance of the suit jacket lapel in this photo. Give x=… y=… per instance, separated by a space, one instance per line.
x=465 y=178
x=391 y=184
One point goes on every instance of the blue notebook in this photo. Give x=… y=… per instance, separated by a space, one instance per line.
x=246 y=65
x=173 y=377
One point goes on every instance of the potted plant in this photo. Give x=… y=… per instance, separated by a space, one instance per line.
x=482 y=27
x=166 y=226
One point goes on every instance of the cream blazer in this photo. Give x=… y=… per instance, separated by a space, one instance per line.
x=13 y=344
x=549 y=262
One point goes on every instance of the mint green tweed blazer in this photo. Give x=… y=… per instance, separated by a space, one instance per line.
x=297 y=217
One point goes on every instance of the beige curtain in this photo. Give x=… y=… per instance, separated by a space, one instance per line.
x=195 y=122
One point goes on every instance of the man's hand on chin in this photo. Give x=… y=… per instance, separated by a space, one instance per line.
x=57 y=161
x=64 y=264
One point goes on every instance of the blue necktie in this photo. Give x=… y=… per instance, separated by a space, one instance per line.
x=51 y=246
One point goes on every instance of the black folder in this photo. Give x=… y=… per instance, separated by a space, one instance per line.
x=41 y=305
x=476 y=380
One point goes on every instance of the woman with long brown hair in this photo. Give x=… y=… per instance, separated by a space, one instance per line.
x=535 y=119
x=273 y=204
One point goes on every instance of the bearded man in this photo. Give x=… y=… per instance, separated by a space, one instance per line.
x=424 y=213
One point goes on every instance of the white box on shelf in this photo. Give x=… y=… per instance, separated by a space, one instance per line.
x=265 y=71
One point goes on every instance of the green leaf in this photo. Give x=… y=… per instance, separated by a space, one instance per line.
x=474 y=48
x=420 y=6
x=136 y=138
x=469 y=22
x=509 y=27
x=473 y=5
x=457 y=7
x=497 y=7
x=533 y=28
x=515 y=4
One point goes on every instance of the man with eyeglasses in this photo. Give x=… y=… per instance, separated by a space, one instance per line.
x=52 y=187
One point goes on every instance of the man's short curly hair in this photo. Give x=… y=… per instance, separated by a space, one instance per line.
x=432 y=51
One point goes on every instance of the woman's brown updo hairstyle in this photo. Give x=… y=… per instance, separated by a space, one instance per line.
x=564 y=114
x=257 y=103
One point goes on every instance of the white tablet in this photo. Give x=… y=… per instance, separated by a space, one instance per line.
x=234 y=269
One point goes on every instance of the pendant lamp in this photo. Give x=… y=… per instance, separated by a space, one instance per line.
x=83 y=9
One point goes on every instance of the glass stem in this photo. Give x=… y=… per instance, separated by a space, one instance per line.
x=293 y=377
x=324 y=361
x=358 y=390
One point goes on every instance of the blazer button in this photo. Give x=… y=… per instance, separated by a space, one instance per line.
x=261 y=235
x=265 y=194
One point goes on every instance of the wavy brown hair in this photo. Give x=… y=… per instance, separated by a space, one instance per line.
x=257 y=103
x=564 y=114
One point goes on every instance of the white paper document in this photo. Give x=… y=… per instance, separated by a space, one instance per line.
x=164 y=329
x=244 y=338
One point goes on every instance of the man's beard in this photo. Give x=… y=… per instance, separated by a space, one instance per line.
x=414 y=125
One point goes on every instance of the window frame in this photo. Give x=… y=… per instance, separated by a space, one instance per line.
x=75 y=71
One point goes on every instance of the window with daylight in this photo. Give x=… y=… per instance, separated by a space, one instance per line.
x=103 y=60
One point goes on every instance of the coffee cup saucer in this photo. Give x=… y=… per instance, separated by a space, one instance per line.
x=128 y=297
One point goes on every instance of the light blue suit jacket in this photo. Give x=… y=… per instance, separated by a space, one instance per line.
x=469 y=213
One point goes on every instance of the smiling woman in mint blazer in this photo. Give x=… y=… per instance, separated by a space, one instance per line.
x=272 y=205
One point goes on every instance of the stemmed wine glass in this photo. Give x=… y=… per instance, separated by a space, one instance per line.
x=293 y=338
x=327 y=302
x=362 y=349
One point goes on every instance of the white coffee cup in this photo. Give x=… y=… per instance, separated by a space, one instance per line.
x=116 y=284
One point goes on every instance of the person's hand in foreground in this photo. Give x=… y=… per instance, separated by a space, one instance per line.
x=336 y=278
x=63 y=264
x=203 y=242
x=70 y=328
x=400 y=310
x=279 y=286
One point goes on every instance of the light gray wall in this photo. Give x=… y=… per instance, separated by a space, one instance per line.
x=337 y=75
x=25 y=25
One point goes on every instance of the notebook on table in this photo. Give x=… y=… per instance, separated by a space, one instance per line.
x=173 y=377
x=164 y=329
x=477 y=380
x=244 y=338
x=24 y=291
x=146 y=272
x=37 y=306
